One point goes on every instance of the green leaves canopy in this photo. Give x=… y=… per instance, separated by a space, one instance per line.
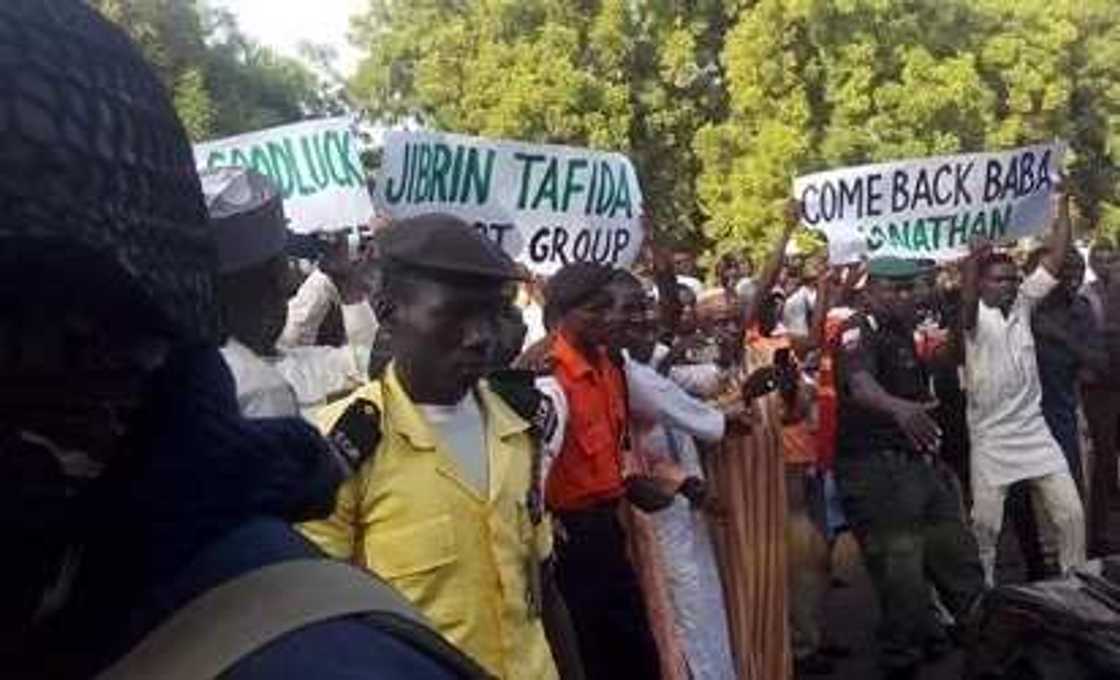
x=222 y=82
x=722 y=103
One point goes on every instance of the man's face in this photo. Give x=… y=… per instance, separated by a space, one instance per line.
x=893 y=298
x=641 y=335
x=590 y=323
x=1105 y=262
x=445 y=335
x=626 y=318
x=256 y=303
x=732 y=272
x=725 y=327
x=684 y=264
x=999 y=285
x=687 y=323
x=812 y=270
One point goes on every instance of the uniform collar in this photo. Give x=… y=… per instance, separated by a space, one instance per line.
x=409 y=421
x=502 y=424
x=570 y=359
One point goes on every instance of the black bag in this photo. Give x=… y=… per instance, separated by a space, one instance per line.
x=1064 y=629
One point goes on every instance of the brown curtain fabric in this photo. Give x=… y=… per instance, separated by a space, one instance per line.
x=749 y=475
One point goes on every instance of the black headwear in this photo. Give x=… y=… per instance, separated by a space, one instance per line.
x=93 y=159
x=443 y=246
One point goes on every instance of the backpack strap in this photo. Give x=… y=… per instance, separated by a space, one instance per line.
x=235 y=619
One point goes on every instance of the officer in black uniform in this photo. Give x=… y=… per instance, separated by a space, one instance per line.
x=899 y=498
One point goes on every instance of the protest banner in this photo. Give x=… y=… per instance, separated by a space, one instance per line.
x=544 y=205
x=929 y=208
x=315 y=165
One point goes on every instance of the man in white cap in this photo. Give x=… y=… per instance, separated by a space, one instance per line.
x=247 y=218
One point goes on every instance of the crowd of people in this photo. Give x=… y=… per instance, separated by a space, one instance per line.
x=412 y=458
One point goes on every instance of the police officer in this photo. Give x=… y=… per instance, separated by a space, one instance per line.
x=900 y=500
x=445 y=506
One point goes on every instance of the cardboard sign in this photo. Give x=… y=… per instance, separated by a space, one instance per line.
x=544 y=205
x=929 y=208
x=315 y=164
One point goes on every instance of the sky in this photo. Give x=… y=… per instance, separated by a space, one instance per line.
x=283 y=24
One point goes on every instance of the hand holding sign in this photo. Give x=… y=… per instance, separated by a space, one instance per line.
x=930 y=208
x=544 y=205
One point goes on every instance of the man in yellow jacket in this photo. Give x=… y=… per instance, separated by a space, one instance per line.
x=441 y=505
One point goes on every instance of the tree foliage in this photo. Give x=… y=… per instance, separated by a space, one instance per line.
x=636 y=77
x=819 y=84
x=221 y=81
x=722 y=102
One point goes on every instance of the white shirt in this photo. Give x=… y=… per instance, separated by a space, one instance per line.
x=310 y=305
x=704 y=380
x=655 y=398
x=692 y=283
x=798 y=309
x=1009 y=437
x=462 y=430
x=262 y=391
x=533 y=317
x=744 y=288
x=321 y=373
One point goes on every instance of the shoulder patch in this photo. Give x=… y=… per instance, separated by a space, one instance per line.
x=357 y=432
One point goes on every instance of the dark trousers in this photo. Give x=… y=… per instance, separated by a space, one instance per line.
x=603 y=596
x=907 y=515
x=1102 y=410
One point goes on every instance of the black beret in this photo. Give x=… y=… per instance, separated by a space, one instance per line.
x=443 y=245
x=573 y=285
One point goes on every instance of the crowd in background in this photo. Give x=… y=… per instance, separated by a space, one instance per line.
x=404 y=456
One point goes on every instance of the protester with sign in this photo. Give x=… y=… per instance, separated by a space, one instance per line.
x=1010 y=438
x=442 y=506
x=314 y=165
x=930 y=208
x=546 y=206
x=248 y=222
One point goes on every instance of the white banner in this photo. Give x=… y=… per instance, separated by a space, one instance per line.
x=315 y=164
x=544 y=205
x=929 y=208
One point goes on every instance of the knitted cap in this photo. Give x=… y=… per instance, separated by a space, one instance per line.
x=93 y=158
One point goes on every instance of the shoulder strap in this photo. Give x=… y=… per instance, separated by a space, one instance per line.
x=228 y=623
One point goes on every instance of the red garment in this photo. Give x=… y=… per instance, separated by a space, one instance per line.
x=588 y=469
x=827 y=400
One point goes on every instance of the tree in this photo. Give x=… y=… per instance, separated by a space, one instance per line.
x=816 y=84
x=722 y=102
x=635 y=77
x=221 y=82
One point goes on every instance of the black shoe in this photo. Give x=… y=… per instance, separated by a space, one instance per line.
x=814 y=664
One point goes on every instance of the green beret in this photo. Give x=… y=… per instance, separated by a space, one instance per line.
x=894 y=268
